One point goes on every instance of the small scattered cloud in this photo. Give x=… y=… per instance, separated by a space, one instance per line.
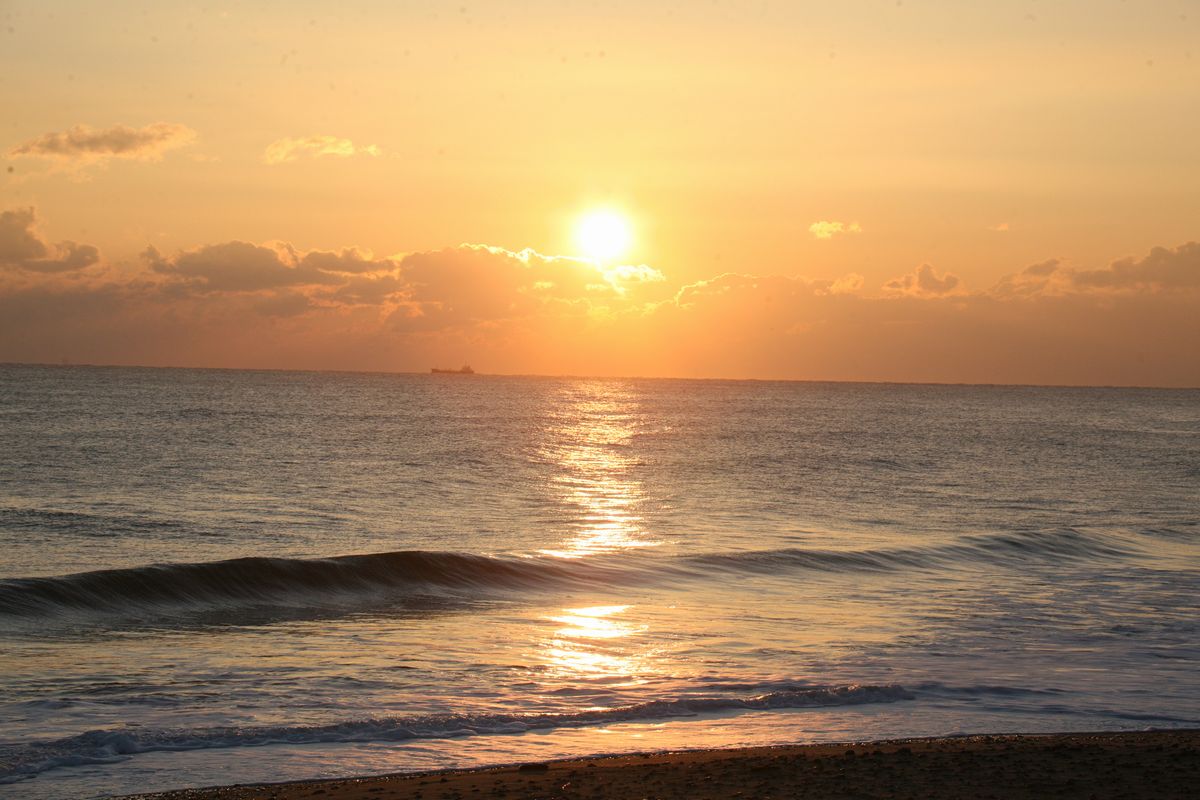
x=827 y=229
x=283 y=151
x=83 y=144
x=23 y=248
x=847 y=284
x=999 y=227
x=923 y=282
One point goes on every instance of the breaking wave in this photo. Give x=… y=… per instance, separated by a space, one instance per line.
x=18 y=762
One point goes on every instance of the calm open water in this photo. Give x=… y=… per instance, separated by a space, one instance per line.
x=213 y=576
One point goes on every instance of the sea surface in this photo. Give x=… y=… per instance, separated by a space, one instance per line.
x=210 y=577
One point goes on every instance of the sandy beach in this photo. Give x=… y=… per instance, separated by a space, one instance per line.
x=1159 y=764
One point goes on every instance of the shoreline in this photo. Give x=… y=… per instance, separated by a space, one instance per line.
x=1134 y=764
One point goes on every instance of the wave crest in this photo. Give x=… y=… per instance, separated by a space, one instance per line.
x=416 y=576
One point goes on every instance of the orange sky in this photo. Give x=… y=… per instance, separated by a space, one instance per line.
x=920 y=191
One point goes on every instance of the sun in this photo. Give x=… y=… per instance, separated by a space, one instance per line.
x=603 y=234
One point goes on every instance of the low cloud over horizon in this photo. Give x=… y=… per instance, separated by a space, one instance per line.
x=271 y=304
x=22 y=247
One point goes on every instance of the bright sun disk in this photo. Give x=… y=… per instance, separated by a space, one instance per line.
x=603 y=235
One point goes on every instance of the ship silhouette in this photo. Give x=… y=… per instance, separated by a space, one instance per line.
x=465 y=370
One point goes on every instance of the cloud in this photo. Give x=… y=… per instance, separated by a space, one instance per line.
x=22 y=248
x=463 y=285
x=286 y=150
x=748 y=301
x=847 y=284
x=1000 y=227
x=349 y=260
x=232 y=267
x=828 y=229
x=1163 y=268
x=744 y=325
x=245 y=267
x=283 y=304
x=82 y=144
x=274 y=305
x=621 y=276
x=368 y=290
x=922 y=281
x=1042 y=269
x=1034 y=279
x=432 y=290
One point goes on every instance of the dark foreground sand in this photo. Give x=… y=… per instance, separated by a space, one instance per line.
x=1164 y=764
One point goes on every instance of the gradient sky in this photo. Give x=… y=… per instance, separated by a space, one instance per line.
x=918 y=190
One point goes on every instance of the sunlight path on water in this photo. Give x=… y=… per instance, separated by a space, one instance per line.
x=588 y=437
x=587 y=441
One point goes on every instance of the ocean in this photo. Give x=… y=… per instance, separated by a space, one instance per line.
x=212 y=577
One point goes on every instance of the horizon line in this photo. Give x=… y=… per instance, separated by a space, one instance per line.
x=567 y=376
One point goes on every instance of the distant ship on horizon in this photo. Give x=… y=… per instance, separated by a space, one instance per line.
x=465 y=370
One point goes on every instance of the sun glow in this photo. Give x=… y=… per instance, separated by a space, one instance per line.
x=603 y=234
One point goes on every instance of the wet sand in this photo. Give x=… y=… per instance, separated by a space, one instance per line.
x=1161 y=764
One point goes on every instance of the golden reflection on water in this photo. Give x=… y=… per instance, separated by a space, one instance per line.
x=588 y=441
x=593 y=623
x=585 y=644
x=588 y=444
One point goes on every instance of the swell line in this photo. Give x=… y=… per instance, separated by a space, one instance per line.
x=356 y=581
